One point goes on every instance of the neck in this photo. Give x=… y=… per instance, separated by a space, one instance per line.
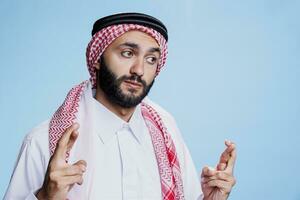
x=123 y=113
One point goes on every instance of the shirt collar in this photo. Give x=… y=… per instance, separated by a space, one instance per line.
x=108 y=123
x=137 y=124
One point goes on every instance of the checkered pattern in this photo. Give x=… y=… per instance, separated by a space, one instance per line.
x=165 y=152
x=65 y=115
x=169 y=168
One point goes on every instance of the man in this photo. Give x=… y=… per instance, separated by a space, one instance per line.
x=108 y=140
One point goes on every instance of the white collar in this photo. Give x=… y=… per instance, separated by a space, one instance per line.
x=107 y=123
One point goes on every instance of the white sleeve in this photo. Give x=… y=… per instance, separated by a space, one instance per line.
x=191 y=178
x=29 y=171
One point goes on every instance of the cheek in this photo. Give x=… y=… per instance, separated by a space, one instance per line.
x=118 y=65
x=150 y=73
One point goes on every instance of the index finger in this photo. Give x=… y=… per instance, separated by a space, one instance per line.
x=67 y=140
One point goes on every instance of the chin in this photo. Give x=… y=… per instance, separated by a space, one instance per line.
x=133 y=94
x=132 y=91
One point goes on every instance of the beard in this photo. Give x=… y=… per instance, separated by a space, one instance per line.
x=111 y=86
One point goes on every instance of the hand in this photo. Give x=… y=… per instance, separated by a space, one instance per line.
x=217 y=183
x=61 y=176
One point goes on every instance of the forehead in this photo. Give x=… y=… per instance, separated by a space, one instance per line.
x=138 y=37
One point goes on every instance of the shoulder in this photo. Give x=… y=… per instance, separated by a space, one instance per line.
x=167 y=118
x=164 y=114
x=31 y=164
x=38 y=132
x=36 y=141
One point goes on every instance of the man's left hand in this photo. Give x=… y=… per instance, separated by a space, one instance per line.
x=217 y=183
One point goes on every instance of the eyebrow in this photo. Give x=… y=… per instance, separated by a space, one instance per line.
x=130 y=44
x=154 y=49
x=136 y=46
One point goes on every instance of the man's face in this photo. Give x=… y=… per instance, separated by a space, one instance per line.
x=127 y=68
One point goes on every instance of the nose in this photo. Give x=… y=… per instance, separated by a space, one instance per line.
x=138 y=67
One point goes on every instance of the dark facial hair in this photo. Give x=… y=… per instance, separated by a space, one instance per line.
x=111 y=86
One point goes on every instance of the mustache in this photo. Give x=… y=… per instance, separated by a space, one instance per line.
x=134 y=78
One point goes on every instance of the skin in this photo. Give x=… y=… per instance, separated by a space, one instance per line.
x=132 y=53
x=61 y=176
x=217 y=183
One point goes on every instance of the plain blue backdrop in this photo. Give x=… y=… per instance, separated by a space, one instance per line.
x=233 y=72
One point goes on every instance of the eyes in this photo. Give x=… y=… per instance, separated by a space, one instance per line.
x=127 y=54
x=151 y=59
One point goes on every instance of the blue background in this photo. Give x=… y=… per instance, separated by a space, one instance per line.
x=232 y=73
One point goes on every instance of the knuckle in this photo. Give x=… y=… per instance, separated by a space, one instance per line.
x=69 y=128
x=76 y=167
x=233 y=181
x=221 y=175
x=82 y=162
x=217 y=183
x=226 y=175
x=52 y=176
x=59 y=143
x=60 y=185
x=52 y=166
x=82 y=168
x=76 y=178
x=77 y=170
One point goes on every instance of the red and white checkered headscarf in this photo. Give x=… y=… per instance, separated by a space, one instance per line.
x=64 y=117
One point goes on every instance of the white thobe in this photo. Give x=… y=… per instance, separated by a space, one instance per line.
x=125 y=165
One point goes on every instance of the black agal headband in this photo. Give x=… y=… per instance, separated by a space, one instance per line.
x=131 y=18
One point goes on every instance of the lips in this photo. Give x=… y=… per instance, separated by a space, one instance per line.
x=133 y=84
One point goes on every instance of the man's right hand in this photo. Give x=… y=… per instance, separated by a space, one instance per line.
x=61 y=176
